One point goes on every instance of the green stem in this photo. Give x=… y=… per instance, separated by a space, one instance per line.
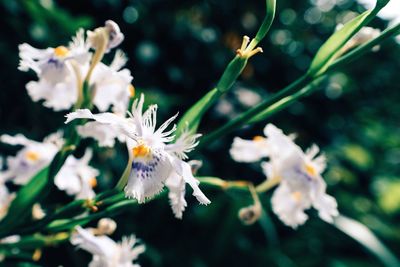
x=263 y=109
x=246 y=116
x=266 y=24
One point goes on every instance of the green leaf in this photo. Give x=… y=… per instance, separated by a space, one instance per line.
x=331 y=49
x=34 y=191
x=193 y=116
x=27 y=196
x=366 y=237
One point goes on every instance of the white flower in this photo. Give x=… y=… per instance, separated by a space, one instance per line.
x=112 y=85
x=77 y=178
x=364 y=35
x=155 y=160
x=106 y=252
x=301 y=185
x=59 y=70
x=31 y=159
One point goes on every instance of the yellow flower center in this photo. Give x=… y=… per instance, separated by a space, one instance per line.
x=141 y=151
x=310 y=170
x=258 y=138
x=297 y=196
x=93 y=182
x=61 y=51
x=131 y=89
x=32 y=156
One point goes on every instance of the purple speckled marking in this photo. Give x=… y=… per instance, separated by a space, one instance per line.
x=144 y=170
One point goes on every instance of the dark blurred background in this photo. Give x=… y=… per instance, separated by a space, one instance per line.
x=177 y=51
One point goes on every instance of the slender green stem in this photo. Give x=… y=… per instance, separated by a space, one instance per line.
x=270 y=6
x=246 y=116
x=254 y=114
x=193 y=116
x=362 y=49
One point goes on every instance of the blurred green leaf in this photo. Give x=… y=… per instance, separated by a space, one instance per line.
x=331 y=49
x=23 y=202
x=366 y=237
x=358 y=156
x=193 y=116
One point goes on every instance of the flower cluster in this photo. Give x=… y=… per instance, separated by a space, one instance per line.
x=62 y=70
x=75 y=177
x=299 y=175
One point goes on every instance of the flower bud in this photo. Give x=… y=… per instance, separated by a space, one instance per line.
x=114 y=33
x=249 y=215
x=106 y=226
x=37 y=212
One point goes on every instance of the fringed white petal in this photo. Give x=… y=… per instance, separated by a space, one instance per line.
x=176 y=195
x=184 y=144
x=148 y=176
x=183 y=169
x=119 y=60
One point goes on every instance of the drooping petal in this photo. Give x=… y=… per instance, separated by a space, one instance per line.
x=67 y=178
x=148 y=176
x=248 y=150
x=58 y=96
x=76 y=177
x=176 y=186
x=289 y=206
x=184 y=170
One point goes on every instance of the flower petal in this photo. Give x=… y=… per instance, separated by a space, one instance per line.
x=148 y=176
x=248 y=150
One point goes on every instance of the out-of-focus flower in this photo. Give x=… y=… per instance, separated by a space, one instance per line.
x=31 y=159
x=5 y=199
x=390 y=12
x=77 y=178
x=112 y=85
x=249 y=150
x=10 y=239
x=364 y=35
x=106 y=252
x=301 y=185
x=106 y=226
x=247 y=97
x=37 y=212
x=61 y=71
x=155 y=160
x=58 y=69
